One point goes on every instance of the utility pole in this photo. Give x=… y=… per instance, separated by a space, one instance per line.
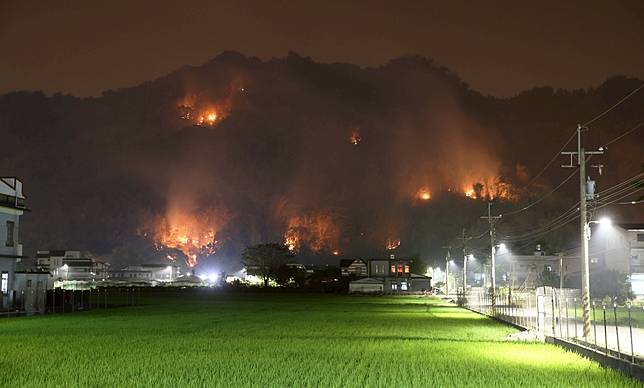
x=464 y=240
x=491 y=219
x=448 y=258
x=583 y=225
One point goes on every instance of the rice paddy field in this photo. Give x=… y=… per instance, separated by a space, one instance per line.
x=199 y=338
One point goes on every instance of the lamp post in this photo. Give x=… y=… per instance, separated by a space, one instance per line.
x=585 y=284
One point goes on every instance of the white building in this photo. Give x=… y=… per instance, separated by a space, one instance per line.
x=12 y=206
x=67 y=265
x=611 y=247
x=146 y=272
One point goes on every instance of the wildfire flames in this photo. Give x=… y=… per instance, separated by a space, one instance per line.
x=392 y=244
x=355 y=138
x=201 y=111
x=492 y=188
x=194 y=235
x=423 y=194
x=318 y=232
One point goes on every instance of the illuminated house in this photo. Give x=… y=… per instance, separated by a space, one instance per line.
x=394 y=275
x=12 y=206
x=354 y=267
x=65 y=265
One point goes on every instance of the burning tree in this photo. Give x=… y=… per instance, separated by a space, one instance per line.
x=266 y=259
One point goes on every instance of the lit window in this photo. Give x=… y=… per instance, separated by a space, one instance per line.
x=548 y=268
x=403 y=286
x=406 y=268
x=400 y=268
x=393 y=268
x=4 y=285
x=394 y=286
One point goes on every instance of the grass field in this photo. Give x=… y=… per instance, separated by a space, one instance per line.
x=216 y=339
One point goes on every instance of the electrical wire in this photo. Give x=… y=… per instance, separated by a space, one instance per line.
x=638 y=126
x=542 y=198
x=599 y=116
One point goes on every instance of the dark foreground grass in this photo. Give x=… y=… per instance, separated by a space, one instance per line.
x=210 y=339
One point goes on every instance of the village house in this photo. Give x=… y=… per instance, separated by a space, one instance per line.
x=391 y=276
x=12 y=206
x=68 y=265
x=354 y=267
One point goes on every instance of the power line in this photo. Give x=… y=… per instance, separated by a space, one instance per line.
x=638 y=126
x=599 y=116
x=543 y=197
x=570 y=215
x=551 y=160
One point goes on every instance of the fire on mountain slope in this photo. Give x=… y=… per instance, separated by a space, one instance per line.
x=203 y=110
x=315 y=231
x=194 y=235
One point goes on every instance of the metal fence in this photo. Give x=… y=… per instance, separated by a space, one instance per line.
x=59 y=300
x=616 y=329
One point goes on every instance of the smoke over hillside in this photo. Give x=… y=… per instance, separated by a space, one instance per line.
x=332 y=160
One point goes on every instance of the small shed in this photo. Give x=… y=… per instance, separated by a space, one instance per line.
x=366 y=286
x=31 y=290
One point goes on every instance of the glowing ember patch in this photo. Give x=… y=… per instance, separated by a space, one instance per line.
x=355 y=138
x=392 y=244
x=470 y=193
x=424 y=194
x=336 y=253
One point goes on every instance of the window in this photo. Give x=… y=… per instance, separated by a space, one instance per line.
x=640 y=237
x=548 y=268
x=10 y=229
x=406 y=268
x=400 y=268
x=29 y=283
x=393 y=268
x=4 y=284
x=403 y=286
x=594 y=260
x=39 y=284
x=394 y=286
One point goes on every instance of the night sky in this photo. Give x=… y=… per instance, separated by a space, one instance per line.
x=83 y=48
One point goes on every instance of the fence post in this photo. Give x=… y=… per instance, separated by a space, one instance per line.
x=552 y=306
x=559 y=313
x=619 y=352
x=594 y=326
x=567 y=321
x=575 y=312
x=630 y=330
x=605 y=330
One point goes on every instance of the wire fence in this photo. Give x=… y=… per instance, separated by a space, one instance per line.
x=616 y=329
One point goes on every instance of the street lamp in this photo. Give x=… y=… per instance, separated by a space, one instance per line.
x=465 y=259
x=66 y=268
